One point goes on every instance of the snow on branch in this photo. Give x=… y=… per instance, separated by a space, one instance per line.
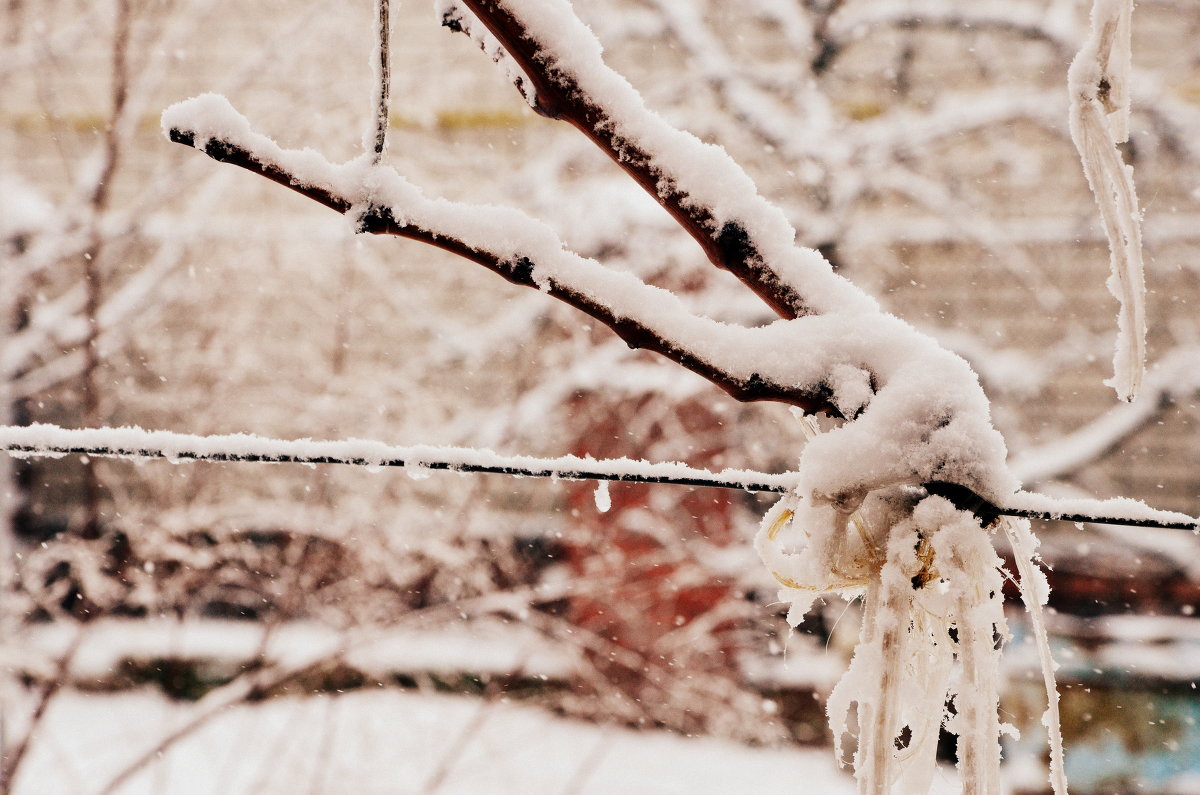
x=1098 y=81
x=703 y=189
x=522 y=250
x=920 y=415
x=381 y=65
x=898 y=497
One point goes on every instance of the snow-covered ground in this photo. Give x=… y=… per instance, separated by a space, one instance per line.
x=394 y=742
x=369 y=740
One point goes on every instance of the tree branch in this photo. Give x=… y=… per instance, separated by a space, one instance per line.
x=624 y=136
x=637 y=332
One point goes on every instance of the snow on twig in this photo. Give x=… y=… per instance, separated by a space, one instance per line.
x=1098 y=81
x=455 y=16
x=703 y=189
x=527 y=252
x=857 y=361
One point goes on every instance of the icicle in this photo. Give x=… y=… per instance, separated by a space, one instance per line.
x=603 y=498
x=935 y=599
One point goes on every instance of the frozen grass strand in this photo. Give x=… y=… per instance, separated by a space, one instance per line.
x=1034 y=593
x=932 y=605
x=1098 y=81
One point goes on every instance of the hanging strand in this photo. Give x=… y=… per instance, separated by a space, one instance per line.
x=383 y=73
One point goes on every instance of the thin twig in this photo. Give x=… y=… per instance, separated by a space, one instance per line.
x=94 y=277
x=484 y=710
x=10 y=765
x=383 y=78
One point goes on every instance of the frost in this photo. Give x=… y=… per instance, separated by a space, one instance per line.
x=1035 y=593
x=1098 y=81
x=932 y=604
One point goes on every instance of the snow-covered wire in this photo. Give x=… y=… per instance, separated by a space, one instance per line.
x=135 y=443
x=418 y=460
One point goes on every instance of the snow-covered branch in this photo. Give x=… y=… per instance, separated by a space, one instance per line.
x=699 y=185
x=382 y=65
x=857 y=362
x=509 y=243
x=900 y=495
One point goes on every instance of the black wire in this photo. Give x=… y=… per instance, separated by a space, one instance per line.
x=959 y=495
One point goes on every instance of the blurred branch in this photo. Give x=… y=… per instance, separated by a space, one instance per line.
x=10 y=759
x=1173 y=379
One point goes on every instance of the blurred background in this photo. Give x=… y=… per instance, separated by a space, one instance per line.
x=252 y=628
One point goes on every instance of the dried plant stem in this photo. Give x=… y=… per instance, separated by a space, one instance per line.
x=1023 y=547
x=1099 y=118
x=383 y=78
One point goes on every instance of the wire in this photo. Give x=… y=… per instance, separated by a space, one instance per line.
x=754 y=482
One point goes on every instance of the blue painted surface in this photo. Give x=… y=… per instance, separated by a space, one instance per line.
x=1134 y=728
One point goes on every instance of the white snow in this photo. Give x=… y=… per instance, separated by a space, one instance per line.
x=391 y=742
x=1098 y=81
x=603 y=498
x=479 y=647
x=134 y=443
x=1115 y=507
x=928 y=418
